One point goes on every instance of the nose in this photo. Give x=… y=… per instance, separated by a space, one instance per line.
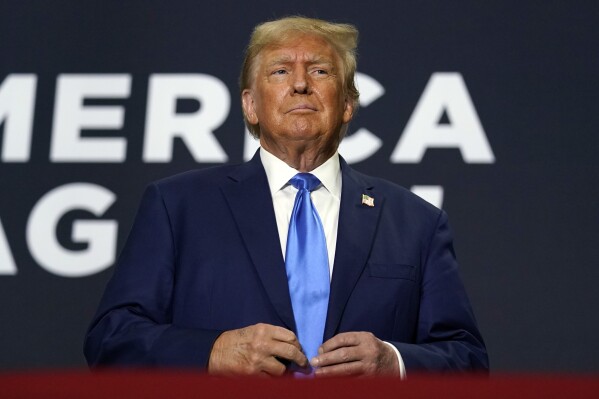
x=300 y=82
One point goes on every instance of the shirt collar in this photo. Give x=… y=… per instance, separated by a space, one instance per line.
x=279 y=173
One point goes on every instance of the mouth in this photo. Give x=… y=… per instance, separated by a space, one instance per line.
x=302 y=108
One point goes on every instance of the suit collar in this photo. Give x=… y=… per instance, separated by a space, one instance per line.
x=279 y=173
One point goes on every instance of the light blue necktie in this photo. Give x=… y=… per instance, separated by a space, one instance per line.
x=307 y=266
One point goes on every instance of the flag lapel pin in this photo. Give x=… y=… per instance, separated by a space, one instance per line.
x=367 y=200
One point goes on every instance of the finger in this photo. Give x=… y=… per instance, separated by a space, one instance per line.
x=340 y=341
x=275 y=332
x=272 y=366
x=268 y=332
x=337 y=356
x=290 y=352
x=284 y=335
x=340 y=370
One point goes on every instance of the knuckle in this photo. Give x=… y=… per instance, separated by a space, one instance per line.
x=344 y=355
x=291 y=352
x=254 y=358
x=279 y=369
x=346 y=369
x=373 y=347
x=371 y=341
x=243 y=332
x=343 y=340
x=252 y=369
x=260 y=346
x=260 y=329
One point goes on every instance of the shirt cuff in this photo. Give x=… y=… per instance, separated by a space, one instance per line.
x=402 y=367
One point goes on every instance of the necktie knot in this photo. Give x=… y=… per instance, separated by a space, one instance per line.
x=305 y=181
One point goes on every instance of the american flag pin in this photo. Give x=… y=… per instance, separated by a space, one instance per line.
x=367 y=200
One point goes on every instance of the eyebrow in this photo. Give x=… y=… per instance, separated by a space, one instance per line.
x=286 y=60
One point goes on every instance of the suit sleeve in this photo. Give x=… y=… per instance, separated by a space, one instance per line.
x=447 y=336
x=133 y=325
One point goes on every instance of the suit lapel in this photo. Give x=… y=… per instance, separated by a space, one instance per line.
x=248 y=196
x=249 y=199
x=357 y=227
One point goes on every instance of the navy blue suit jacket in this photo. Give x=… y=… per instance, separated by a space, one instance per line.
x=204 y=257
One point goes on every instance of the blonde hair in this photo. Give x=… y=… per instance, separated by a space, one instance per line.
x=343 y=38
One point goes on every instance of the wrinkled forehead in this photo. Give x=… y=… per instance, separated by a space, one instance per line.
x=282 y=49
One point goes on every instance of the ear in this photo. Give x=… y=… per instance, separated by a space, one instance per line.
x=249 y=106
x=348 y=110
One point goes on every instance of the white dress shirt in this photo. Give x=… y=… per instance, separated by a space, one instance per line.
x=326 y=199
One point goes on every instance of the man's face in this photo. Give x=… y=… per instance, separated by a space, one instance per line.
x=296 y=95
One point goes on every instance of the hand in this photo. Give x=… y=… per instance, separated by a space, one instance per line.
x=355 y=353
x=254 y=350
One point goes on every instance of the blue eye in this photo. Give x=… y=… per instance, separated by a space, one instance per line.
x=279 y=72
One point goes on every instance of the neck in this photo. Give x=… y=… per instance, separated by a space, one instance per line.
x=304 y=157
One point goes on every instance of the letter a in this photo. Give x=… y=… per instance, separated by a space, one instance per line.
x=444 y=93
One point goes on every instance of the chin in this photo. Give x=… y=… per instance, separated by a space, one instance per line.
x=307 y=135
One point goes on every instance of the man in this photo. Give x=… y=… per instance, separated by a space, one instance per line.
x=228 y=268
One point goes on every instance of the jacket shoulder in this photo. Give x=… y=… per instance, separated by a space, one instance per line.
x=194 y=180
